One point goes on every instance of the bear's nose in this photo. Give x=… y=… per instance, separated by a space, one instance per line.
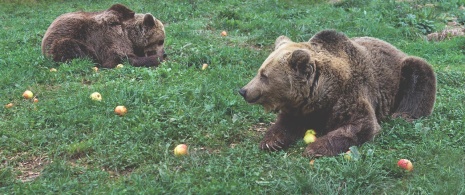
x=243 y=92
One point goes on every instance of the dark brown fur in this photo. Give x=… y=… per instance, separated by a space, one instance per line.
x=340 y=87
x=101 y=36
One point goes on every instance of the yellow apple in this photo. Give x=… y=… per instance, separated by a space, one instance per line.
x=405 y=164
x=121 y=110
x=348 y=155
x=96 y=96
x=180 y=150
x=224 y=33
x=9 y=105
x=53 y=70
x=204 y=66
x=310 y=131
x=309 y=138
x=28 y=94
x=119 y=66
x=95 y=69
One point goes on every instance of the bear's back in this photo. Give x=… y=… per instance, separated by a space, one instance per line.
x=70 y=25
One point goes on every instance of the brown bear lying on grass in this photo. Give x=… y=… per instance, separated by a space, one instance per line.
x=108 y=37
x=340 y=87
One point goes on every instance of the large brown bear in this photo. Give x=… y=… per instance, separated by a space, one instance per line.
x=340 y=87
x=105 y=37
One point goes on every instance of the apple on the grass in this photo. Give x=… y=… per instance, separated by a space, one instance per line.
x=35 y=100
x=9 y=105
x=28 y=94
x=96 y=96
x=309 y=138
x=119 y=66
x=405 y=164
x=348 y=155
x=224 y=33
x=121 y=110
x=180 y=150
x=204 y=66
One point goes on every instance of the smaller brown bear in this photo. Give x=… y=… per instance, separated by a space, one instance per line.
x=103 y=37
x=340 y=87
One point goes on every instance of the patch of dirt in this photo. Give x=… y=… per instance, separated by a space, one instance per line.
x=30 y=168
x=448 y=33
x=260 y=127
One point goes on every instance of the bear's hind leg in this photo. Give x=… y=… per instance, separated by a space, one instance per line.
x=417 y=89
x=64 y=50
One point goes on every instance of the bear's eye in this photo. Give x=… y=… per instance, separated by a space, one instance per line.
x=263 y=76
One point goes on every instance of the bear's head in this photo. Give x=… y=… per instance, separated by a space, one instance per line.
x=147 y=35
x=285 y=80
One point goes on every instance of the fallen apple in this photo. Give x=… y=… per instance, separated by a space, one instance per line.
x=310 y=131
x=28 y=94
x=121 y=110
x=405 y=164
x=180 y=150
x=53 y=70
x=35 y=100
x=224 y=33
x=119 y=66
x=309 y=138
x=9 y=105
x=204 y=66
x=96 y=96
x=95 y=69
x=348 y=155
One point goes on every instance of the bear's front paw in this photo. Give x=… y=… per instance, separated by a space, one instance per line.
x=277 y=140
x=272 y=145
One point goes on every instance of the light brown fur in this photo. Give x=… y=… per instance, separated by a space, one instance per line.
x=343 y=88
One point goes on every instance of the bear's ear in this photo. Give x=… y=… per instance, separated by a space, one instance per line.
x=124 y=13
x=300 y=62
x=149 y=21
x=281 y=40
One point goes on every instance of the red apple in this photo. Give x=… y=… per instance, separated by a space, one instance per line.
x=180 y=150
x=9 y=105
x=28 y=94
x=405 y=164
x=224 y=33
x=121 y=110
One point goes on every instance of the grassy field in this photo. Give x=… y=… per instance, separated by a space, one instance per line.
x=68 y=144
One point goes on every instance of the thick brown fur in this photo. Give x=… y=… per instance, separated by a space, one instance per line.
x=340 y=87
x=147 y=35
x=101 y=36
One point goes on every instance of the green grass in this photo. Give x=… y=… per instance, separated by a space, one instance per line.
x=67 y=143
